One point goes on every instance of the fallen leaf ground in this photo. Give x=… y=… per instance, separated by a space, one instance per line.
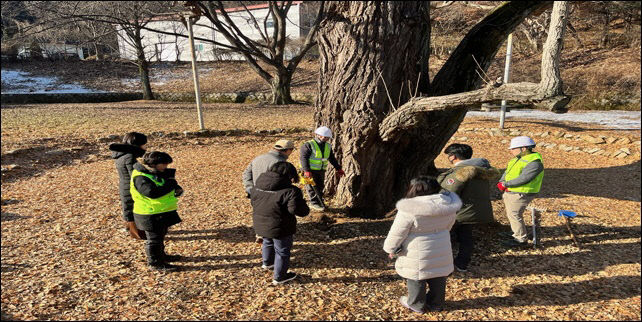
x=64 y=256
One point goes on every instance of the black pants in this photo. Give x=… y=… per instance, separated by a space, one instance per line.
x=319 y=180
x=419 y=300
x=464 y=236
x=155 y=246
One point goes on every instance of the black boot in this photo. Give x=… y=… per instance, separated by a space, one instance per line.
x=165 y=267
x=173 y=258
x=155 y=257
x=170 y=258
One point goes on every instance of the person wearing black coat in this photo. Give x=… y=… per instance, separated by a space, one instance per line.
x=154 y=185
x=276 y=202
x=125 y=155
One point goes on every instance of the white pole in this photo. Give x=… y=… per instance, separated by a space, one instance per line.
x=195 y=73
x=509 y=54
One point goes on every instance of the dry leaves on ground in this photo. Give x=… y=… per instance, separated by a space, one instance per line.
x=65 y=257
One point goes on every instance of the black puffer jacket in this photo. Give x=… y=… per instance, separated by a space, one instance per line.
x=276 y=202
x=149 y=189
x=125 y=156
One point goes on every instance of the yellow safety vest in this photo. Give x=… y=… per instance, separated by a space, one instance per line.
x=317 y=160
x=147 y=206
x=514 y=169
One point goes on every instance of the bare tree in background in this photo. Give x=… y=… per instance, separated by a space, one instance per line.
x=15 y=18
x=371 y=51
x=270 y=49
x=129 y=18
x=99 y=35
x=179 y=43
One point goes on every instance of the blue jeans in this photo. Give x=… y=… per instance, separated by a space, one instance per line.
x=276 y=251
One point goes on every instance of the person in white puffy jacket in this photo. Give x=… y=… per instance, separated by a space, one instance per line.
x=420 y=237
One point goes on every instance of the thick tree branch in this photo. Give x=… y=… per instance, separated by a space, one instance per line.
x=255 y=23
x=210 y=12
x=235 y=36
x=551 y=80
x=309 y=39
x=279 y=15
x=548 y=92
x=483 y=41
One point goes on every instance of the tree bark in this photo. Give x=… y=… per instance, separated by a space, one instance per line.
x=280 y=85
x=361 y=44
x=99 y=56
x=359 y=39
x=548 y=92
x=606 y=18
x=143 y=69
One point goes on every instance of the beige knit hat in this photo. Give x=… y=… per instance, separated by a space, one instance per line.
x=283 y=144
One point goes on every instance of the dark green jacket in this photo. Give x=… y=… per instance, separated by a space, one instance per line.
x=471 y=180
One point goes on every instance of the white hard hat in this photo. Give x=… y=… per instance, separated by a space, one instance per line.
x=324 y=131
x=521 y=141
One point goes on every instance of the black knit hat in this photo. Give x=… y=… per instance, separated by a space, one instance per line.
x=155 y=157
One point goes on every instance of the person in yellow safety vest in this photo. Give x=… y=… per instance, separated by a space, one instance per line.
x=154 y=190
x=520 y=183
x=315 y=156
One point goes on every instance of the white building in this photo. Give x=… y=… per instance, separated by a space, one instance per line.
x=162 y=47
x=53 y=50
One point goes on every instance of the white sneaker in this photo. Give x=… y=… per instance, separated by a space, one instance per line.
x=462 y=270
x=317 y=207
x=271 y=267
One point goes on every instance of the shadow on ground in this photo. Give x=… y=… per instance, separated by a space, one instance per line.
x=36 y=160
x=306 y=232
x=339 y=247
x=601 y=247
x=8 y=216
x=618 y=182
x=599 y=289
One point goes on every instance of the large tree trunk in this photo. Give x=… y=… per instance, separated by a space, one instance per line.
x=606 y=19
x=359 y=39
x=143 y=70
x=98 y=55
x=358 y=42
x=280 y=85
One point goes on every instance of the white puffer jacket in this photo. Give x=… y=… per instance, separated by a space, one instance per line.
x=421 y=228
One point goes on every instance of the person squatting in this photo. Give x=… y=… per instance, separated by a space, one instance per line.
x=433 y=211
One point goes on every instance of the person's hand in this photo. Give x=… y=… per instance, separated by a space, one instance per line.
x=391 y=256
x=501 y=186
x=307 y=174
x=134 y=232
x=340 y=173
